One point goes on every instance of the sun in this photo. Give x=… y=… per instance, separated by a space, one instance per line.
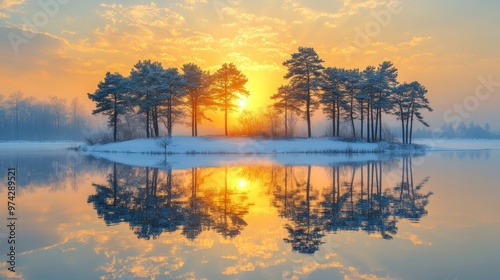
x=242 y=184
x=242 y=103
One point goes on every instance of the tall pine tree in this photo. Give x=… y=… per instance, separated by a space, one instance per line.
x=229 y=85
x=111 y=99
x=304 y=71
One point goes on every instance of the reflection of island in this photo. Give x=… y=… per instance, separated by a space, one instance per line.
x=154 y=201
x=355 y=200
x=352 y=198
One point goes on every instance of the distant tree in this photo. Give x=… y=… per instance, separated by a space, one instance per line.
x=19 y=107
x=77 y=117
x=197 y=87
x=286 y=103
x=229 y=84
x=304 y=71
x=58 y=109
x=111 y=99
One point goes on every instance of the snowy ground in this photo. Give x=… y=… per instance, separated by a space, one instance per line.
x=187 y=152
x=235 y=145
x=38 y=146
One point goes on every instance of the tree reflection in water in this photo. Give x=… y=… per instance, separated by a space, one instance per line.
x=353 y=198
x=154 y=201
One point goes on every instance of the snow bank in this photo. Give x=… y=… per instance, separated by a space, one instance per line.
x=183 y=161
x=236 y=145
x=187 y=152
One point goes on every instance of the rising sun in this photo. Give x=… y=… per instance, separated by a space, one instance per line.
x=242 y=104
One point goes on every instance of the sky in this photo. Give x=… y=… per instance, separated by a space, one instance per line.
x=64 y=47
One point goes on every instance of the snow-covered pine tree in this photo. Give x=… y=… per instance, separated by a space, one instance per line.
x=172 y=91
x=144 y=82
x=305 y=74
x=332 y=97
x=386 y=81
x=409 y=101
x=111 y=99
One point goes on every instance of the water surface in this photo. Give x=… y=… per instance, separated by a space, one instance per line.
x=431 y=217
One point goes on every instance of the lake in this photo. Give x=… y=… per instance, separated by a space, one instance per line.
x=78 y=217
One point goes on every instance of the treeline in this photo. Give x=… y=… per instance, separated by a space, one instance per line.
x=167 y=96
x=350 y=95
x=460 y=130
x=25 y=118
x=152 y=95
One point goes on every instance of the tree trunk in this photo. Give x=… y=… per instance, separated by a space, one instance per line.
x=193 y=120
x=170 y=121
x=308 y=109
x=368 y=122
x=372 y=122
x=196 y=117
x=333 y=119
x=352 y=117
x=286 y=120
x=380 y=126
x=225 y=109
x=411 y=126
x=362 y=119
x=115 y=120
x=402 y=127
x=115 y=126
x=338 y=118
x=156 y=126
x=147 y=124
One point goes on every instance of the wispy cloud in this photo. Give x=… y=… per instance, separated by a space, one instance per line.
x=9 y=6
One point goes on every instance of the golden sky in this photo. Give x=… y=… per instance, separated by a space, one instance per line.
x=64 y=47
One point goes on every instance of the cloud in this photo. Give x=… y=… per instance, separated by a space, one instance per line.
x=190 y=5
x=141 y=16
x=68 y=32
x=9 y=6
x=306 y=13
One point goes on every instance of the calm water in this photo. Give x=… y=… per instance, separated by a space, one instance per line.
x=432 y=217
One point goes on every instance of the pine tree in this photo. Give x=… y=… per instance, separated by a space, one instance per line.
x=172 y=91
x=409 y=101
x=197 y=87
x=386 y=81
x=145 y=79
x=304 y=70
x=229 y=85
x=369 y=87
x=332 y=97
x=112 y=100
x=351 y=79
x=286 y=104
